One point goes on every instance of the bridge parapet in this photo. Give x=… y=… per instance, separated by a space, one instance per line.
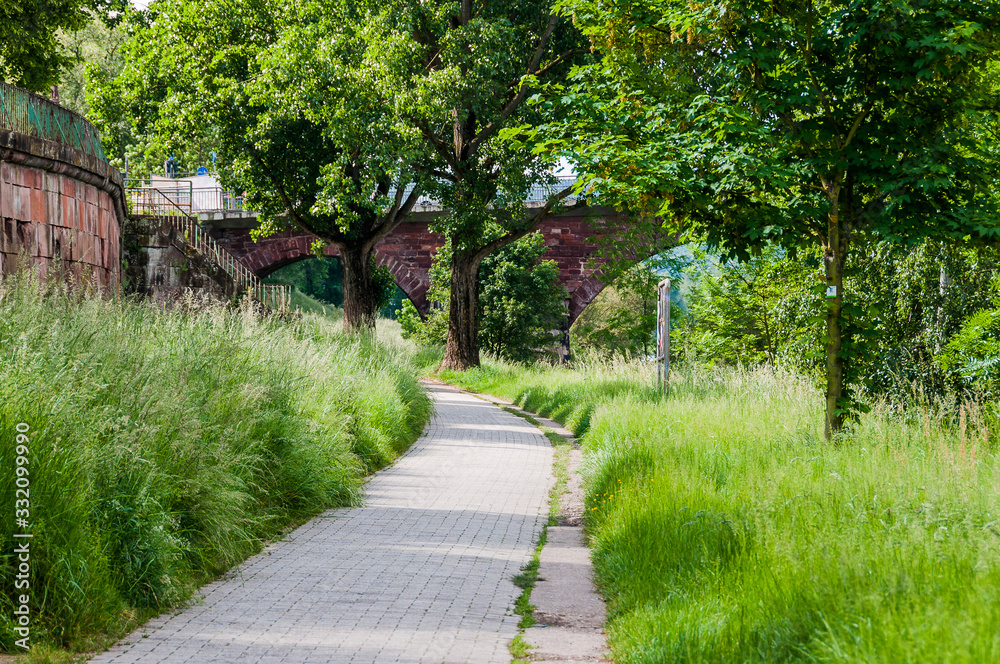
x=30 y=114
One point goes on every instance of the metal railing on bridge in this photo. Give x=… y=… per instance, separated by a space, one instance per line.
x=34 y=115
x=190 y=198
x=540 y=193
x=165 y=205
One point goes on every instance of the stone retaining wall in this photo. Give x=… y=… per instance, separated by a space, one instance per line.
x=60 y=210
x=160 y=265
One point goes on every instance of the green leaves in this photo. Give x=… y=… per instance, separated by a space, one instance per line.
x=520 y=301
x=299 y=101
x=762 y=310
x=784 y=99
x=30 y=54
x=798 y=124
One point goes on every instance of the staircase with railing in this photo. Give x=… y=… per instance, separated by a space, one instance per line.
x=167 y=206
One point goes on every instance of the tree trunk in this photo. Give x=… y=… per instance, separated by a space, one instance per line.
x=944 y=285
x=833 y=250
x=360 y=300
x=462 y=350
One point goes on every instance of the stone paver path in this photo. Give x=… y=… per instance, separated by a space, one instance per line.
x=422 y=573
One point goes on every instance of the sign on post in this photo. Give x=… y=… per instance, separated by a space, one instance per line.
x=663 y=335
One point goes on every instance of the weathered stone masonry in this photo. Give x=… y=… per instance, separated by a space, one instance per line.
x=161 y=265
x=409 y=249
x=60 y=208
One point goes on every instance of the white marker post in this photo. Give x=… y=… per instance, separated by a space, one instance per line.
x=663 y=335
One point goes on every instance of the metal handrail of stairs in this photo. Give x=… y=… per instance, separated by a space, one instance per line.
x=153 y=202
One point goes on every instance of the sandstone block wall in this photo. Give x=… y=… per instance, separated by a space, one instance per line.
x=161 y=266
x=59 y=210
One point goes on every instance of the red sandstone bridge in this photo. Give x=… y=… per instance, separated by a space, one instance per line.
x=62 y=204
x=407 y=251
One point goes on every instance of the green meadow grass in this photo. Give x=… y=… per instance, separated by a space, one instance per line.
x=724 y=529
x=307 y=304
x=167 y=446
x=568 y=395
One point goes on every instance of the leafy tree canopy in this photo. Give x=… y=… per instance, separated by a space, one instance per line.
x=749 y=312
x=285 y=90
x=97 y=47
x=459 y=73
x=337 y=114
x=798 y=123
x=745 y=119
x=31 y=55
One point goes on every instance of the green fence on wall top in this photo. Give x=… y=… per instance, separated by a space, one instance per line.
x=34 y=115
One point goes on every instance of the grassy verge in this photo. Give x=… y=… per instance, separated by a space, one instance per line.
x=568 y=396
x=165 y=447
x=305 y=304
x=520 y=650
x=725 y=530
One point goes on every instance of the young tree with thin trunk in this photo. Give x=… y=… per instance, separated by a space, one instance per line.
x=797 y=123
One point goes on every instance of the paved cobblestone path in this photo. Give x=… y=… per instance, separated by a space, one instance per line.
x=422 y=573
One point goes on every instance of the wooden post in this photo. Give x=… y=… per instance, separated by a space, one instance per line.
x=663 y=335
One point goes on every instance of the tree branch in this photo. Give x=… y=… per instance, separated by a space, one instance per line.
x=560 y=58
x=825 y=102
x=857 y=124
x=546 y=209
x=533 y=221
x=277 y=187
x=515 y=103
x=794 y=128
x=394 y=216
x=434 y=172
x=440 y=146
x=433 y=58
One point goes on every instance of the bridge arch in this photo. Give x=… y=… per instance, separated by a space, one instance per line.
x=408 y=252
x=275 y=252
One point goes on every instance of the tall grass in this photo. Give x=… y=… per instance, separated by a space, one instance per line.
x=724 y=529
x=566 y=394
x=167 y=446
x=307 y=304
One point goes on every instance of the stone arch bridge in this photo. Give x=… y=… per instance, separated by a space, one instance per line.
x=408 y=250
